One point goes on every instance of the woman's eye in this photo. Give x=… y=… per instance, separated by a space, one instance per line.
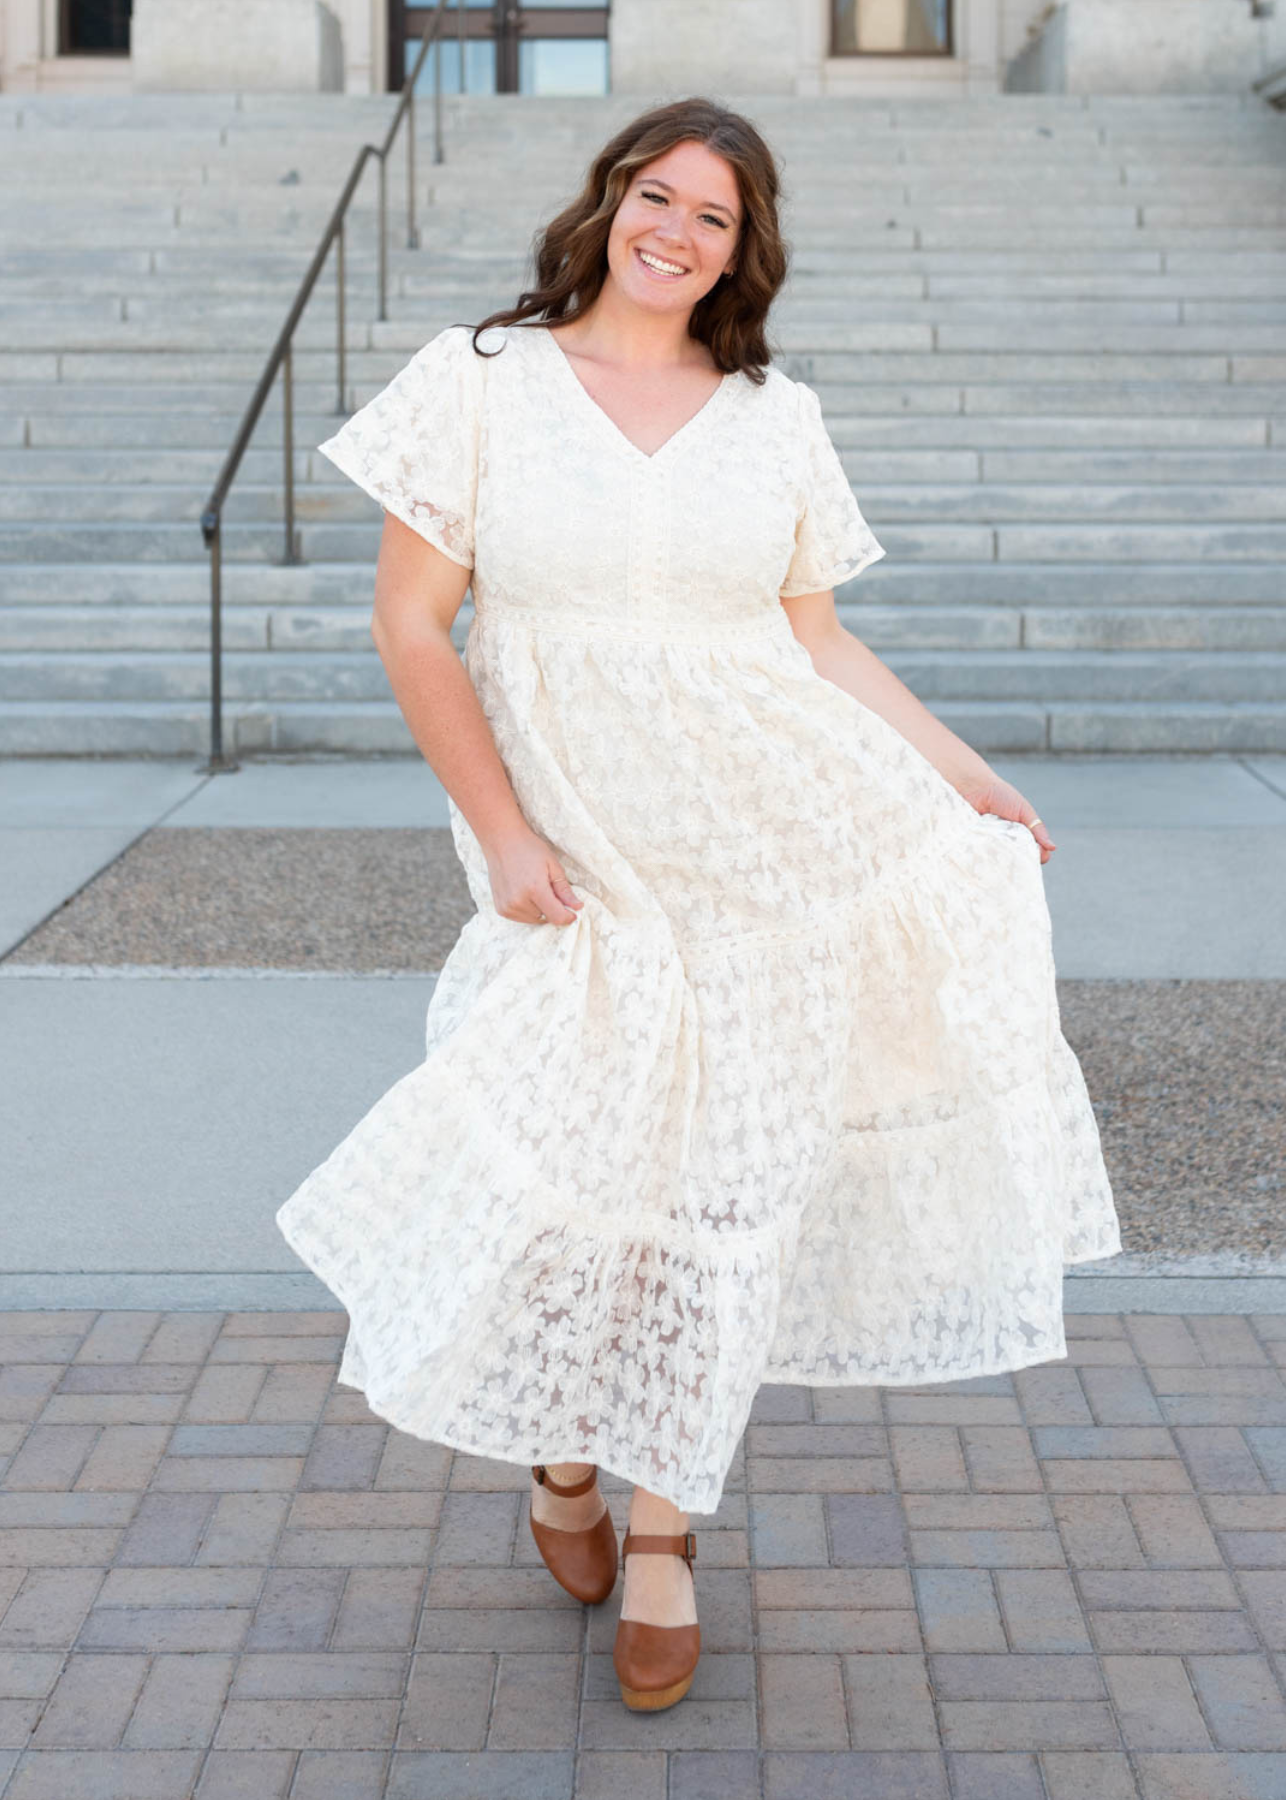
x=721 y=223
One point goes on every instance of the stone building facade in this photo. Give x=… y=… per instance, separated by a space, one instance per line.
x=657 y=48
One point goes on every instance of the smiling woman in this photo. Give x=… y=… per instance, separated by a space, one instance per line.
x=748 y=1067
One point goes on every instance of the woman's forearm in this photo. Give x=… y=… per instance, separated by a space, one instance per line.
x=846 y=661
x=440 y=705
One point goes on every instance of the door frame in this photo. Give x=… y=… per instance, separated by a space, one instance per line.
x=504 y=22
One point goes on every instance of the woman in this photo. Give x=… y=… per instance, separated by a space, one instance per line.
x=748 y=1066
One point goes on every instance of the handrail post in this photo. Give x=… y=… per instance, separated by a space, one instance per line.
x=216 y=763
x=383 y=230
x=437 y=99
x=288 y=449
x=339 y=311
x=412 y=235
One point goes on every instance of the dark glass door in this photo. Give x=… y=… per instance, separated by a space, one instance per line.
x=93 y=27
x=505 y=46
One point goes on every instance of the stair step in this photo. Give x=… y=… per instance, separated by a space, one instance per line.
x=1048 y=334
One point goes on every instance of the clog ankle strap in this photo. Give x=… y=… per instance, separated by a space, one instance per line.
x=570 y=1488
x=682 y=1544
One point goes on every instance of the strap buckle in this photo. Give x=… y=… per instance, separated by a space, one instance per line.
x=689 y=1547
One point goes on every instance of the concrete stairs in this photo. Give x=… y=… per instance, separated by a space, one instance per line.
x=1049 y=336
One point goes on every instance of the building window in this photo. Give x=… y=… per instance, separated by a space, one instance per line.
x=891 y=27
x=93 y=28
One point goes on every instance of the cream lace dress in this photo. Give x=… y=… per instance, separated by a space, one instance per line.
x=789 y=1100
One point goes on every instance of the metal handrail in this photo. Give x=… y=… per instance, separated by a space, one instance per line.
x=280 y=355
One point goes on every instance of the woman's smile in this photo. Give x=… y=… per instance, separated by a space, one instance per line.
x=660 y=268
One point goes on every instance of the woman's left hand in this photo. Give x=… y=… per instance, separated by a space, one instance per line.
x=989 y=794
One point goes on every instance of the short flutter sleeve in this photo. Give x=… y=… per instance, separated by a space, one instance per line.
x=414 y=447
x=833 y=542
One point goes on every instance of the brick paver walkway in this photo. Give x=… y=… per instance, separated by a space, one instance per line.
x=221 y=1576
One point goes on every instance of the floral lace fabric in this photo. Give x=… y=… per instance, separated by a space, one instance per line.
x=789 y=1100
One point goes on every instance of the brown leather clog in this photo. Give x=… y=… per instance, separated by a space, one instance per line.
x=655 y=1663
x=583 y=1562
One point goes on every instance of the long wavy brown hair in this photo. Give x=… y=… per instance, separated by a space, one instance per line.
x=571 y=250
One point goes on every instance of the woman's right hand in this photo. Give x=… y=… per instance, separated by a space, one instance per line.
x=527 y=880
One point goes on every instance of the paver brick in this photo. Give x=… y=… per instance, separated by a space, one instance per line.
x=1097 y=1531
x=1090 y=1775
x=714 y=1775
x=1133 y=1589
x=978 y=1512
x=1163 y=1338
x=103 y=1774
x=838 y=1629
x=1028 y=1725
x=166 y=1529
x=183 y=1337
x=224 y=1395
x=1220 y=1460
x=473 y=1528
x=304 y=1675
x=498 y=1774
x=855 y=1775
x=48 y=1607
x=535 y=1701
x=1222 y=1379
x=1172 y=1633
x=994 y=1775
x=1041 y=1610
x=266 y=1774
x=330 y=1724
x=499 y=1628
x=1000 y=1459
x=856 y=1405
x=822 y=1588
x=1173 y=1532
x=1268 y=1445
x=1049 y=1394
x=928 y=1458
x=1118 y=1396
x=803 y=1702
x=180 y=1704
x=890 y=1706
x=988 y=1549
x=958 y=1610
x=1242 y=1701
x=1155 y=1703
x=91 y=1703
x=1225 y=1338
x=1016 y=1676
x=1104 y=1475
x=867 y=1530
x=624 y=1775
x=820 y=1474
x=788 y=1529
x=51 y=1457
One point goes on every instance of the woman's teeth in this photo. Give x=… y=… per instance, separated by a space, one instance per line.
x=662 y=268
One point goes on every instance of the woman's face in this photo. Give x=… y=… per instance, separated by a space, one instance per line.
x=683 y=211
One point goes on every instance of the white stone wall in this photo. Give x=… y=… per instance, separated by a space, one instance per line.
x=1169 y=46
x=664 y=49
x=191 y=45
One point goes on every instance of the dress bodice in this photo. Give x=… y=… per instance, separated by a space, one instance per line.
x=506 y=464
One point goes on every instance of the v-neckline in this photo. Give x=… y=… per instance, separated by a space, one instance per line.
x=608 y=423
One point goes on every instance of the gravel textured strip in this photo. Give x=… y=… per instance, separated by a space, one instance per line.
x=209 y=897
x=1188 y=1078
